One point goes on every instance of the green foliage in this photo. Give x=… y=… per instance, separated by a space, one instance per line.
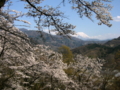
x=69 y=71
x=5 y=77
x=67 y=54
x=116 y=83
x=117 y=55
x=113 y=84
x=117 y=59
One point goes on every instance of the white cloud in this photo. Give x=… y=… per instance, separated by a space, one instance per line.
x=84 y=36
x=117 y=19
x=106 y=36
x=81 y=34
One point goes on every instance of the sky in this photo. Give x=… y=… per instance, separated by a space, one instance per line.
x=84 y=27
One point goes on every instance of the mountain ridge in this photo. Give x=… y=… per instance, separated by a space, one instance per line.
x=56 y=41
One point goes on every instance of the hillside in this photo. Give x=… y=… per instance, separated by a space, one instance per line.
x=113 y=43
x=104 y=51
x=52 y=40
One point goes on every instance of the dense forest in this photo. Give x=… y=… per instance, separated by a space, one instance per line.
x=108 y=51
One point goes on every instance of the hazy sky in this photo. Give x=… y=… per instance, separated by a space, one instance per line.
x=84 y=26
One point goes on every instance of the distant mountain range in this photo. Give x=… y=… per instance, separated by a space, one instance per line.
x=56 y=41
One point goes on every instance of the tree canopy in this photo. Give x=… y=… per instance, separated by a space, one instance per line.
x=67 y=54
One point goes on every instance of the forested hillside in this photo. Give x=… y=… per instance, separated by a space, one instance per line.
x=113 y=43
x=106 y=51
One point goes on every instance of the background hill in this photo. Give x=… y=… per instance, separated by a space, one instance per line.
x=107 y=51
x=113 y=43
x=56 y=41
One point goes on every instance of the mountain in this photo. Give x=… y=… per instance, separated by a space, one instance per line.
x=56 y=41
x=107 y=51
